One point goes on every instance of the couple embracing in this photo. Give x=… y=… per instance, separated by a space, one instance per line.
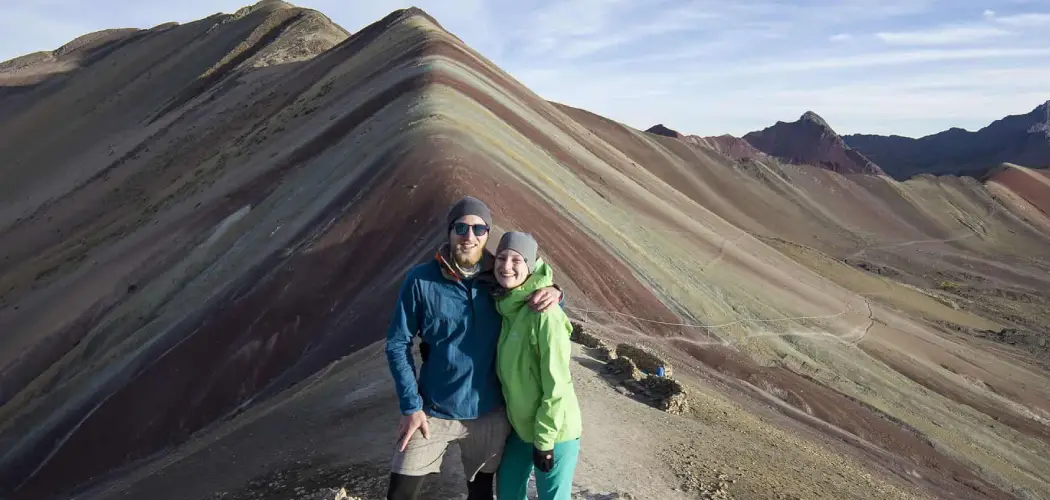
x=495 y=374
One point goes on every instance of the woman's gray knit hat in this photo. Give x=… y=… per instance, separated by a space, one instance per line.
x=522 y=243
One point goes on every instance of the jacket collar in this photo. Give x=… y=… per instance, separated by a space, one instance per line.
x=445 y=263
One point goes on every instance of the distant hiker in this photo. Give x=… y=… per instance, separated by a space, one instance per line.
x=533 y=366
x=448 y=302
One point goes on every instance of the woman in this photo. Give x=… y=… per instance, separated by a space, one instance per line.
x=533 y=366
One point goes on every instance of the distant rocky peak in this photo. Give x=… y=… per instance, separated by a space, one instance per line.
x=660 y=129
x=1042 y=116
x=810 y=116
x=811 y=141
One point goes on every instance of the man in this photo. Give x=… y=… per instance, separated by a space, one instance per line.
x=448 y=302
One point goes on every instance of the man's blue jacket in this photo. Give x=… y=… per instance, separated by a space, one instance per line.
x=457 y=320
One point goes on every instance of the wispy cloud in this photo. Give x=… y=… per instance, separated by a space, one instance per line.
x=579 y=28
x=951 y=35
x=1029 y=20
x=833 y=12
x=840 y=37
x=661 y=26
x=862 y=61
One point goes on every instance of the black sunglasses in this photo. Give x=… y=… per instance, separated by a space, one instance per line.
x=461 y=228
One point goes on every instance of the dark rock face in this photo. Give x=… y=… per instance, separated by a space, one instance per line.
x=660 y=129
x=811 y=141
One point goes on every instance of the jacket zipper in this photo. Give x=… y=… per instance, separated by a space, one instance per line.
x=470 y=298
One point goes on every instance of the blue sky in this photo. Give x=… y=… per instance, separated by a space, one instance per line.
x=910 y=67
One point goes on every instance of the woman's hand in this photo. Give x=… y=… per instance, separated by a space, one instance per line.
x=543 y=460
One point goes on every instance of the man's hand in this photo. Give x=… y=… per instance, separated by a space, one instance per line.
x=408 y=426
x=543 y=298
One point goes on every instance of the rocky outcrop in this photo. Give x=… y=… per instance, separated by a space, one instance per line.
x=663 y=393
x=625 y=368
x=635 y=369
x=667 y=394
x=1020 y=139
x=647 y=360
x=581 y=336
x=811 y=141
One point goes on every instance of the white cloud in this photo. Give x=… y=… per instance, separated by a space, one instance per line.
x=1033 y=19
x=840 y=37
x=989 y=13
x=950 y=35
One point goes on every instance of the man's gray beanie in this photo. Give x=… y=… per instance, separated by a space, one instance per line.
x=469 y=206
x=522 y=243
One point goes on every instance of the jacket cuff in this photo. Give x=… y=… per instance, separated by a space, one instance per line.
x=561 y=300
x=543 y=445
x=413 y=407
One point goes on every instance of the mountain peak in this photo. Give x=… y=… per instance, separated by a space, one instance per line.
x=271 y=5
x=801 y=143
x=810 y=116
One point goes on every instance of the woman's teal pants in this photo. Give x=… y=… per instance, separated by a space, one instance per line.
x=516 y=467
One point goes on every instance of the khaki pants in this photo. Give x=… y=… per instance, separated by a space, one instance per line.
x=480 y=443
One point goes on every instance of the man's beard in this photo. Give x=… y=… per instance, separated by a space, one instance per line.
x=467 y=259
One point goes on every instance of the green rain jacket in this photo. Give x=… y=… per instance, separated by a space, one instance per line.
x=532 y=361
